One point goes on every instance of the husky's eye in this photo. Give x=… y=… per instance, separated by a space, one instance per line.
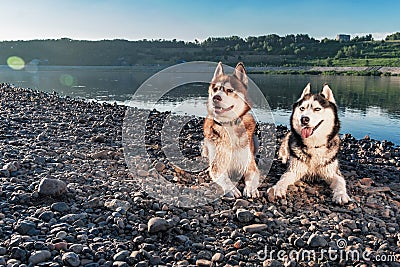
x=302 y=108
x=229 y=90
x=215 y=89
x=317 y=109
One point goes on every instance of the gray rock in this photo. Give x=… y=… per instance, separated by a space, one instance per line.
x=3 y=251
x=255 y=228
x=48 y=186
x=203 y=262
x=46 y=216
x=11 y=167
x=244 y=215
x=114 y=204
x=39 y=256
x=121 y=256
x=60 y=207
x=71 y=259
x=299 y=242
x=142 y=264
x=217 y=257
x=157 y=224
x=143 y=173
x=70 y=218
x=4 y=173
x=134 y=257
x=159 y=166
x=18 y=254
x=182 y=238
x=241 y=203
x=315 y=241
x=77 y=248
x=98 y=139
x=3 y=261
x=24 y=227
x=155 y=260
x=120 y=264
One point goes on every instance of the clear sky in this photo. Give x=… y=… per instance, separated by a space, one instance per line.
x=189 y=20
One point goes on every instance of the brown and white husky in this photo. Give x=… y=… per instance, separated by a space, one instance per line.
x=312 y=145
x=229 y=132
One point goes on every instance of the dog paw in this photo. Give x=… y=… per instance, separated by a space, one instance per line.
x=276 y=192
x=251 y=192
x=340 y=197
x=233 y=193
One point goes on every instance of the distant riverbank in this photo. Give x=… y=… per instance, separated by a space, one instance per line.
x=354 y=71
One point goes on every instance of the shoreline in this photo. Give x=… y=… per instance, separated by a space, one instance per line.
x=310 y=70
x=67 y=196
x=348 y=71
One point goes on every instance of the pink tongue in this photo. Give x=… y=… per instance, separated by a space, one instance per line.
x=306 y=132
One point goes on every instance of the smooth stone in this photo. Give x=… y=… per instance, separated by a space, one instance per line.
x=61 y=246
x=71 y=259
x=60 y=207
x=182 y=238
x=114 y=204
x=98 y=138
x=217 y=257
x=120 y=264
x=121 y=256
x=241 y=203
x=315 y=241
x=203 y=262
x=244 y=215
x=77 y=248
x=255 y=228
x=142 y=264
x=143 y=173
x=39 y=256
x=46 y=216
x=157 y=224
x=300 y=243
x=48 y=186
x=24 y=227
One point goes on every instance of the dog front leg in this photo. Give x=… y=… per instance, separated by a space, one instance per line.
x=338 y=186
x=222 y=179
x=279 y=190
x=252 y=181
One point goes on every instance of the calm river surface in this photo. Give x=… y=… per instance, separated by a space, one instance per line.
x=367 y=105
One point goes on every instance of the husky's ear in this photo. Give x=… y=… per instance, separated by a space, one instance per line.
x=328 y=94
x=218 y=71
x=306 y=91
x=240 y=73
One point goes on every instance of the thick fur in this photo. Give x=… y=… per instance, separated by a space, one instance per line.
x=228 y=133
x=312 y=155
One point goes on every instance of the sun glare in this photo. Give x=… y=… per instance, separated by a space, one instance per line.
x=16 y=63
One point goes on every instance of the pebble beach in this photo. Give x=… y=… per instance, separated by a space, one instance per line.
x=68 y=198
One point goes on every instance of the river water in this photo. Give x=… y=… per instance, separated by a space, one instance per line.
x=367 y=105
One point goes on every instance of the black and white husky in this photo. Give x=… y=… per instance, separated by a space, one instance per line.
x=312 y=145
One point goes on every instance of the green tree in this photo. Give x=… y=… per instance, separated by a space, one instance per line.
x=393 y=37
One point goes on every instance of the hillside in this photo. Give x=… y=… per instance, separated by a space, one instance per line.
x=268 y=50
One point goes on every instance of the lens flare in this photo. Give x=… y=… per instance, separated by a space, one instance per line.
x=16 y=63
x=67 y=80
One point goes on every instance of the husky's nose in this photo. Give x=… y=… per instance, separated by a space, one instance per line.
x=305 y=120
x=217 y=98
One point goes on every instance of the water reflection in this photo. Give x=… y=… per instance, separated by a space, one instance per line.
x=367 y=105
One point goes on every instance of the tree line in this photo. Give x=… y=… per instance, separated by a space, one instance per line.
x=272 y=49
